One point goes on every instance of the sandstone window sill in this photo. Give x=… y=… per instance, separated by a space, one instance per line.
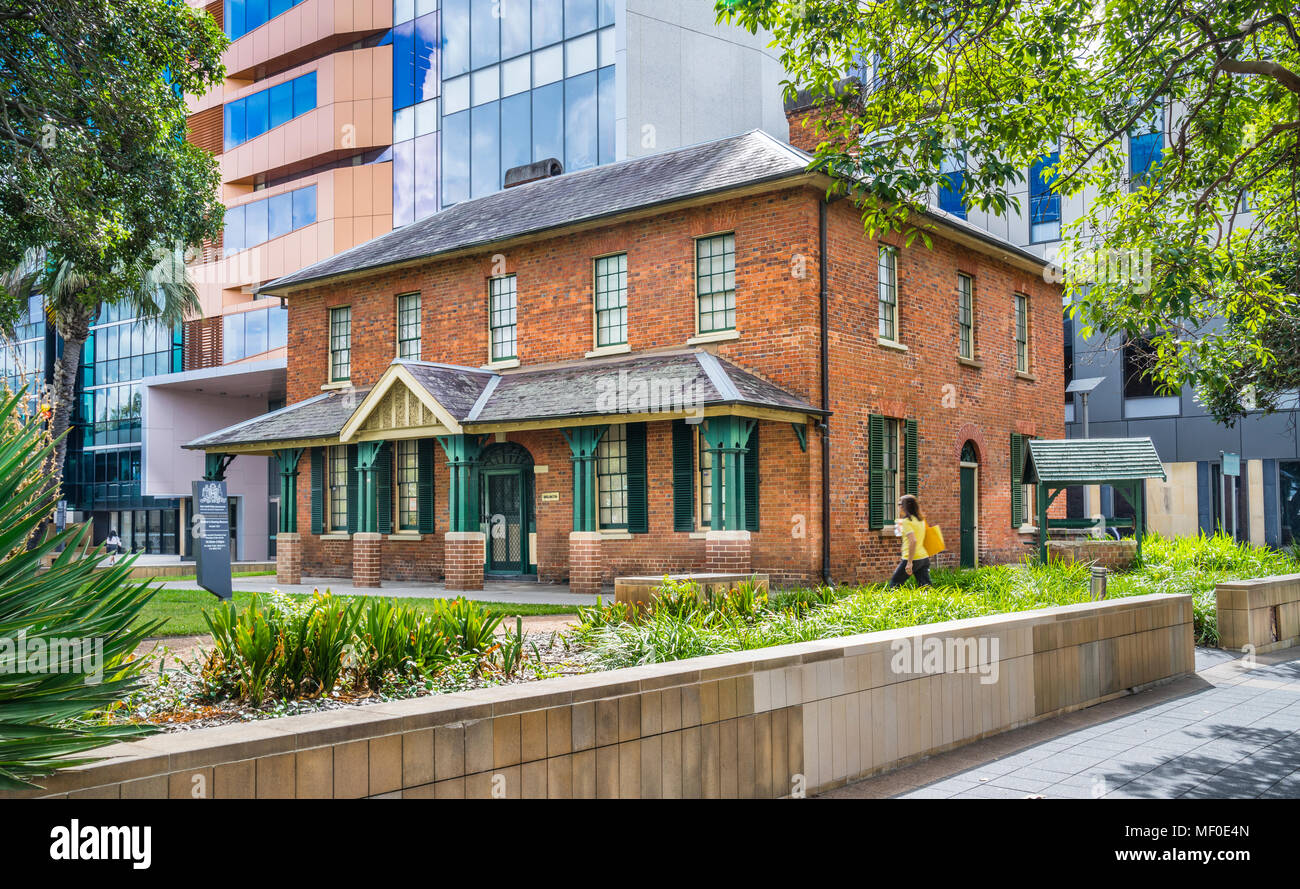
x=1028 y=378
x=411 y=537
x=720 y=336
x=505 y=364
x=970 y=362
x=699 y=535
x=602 y=351
x=336 y=536
x=890 y=344
x=617 y=534
x=1027 y=529
x=341 y=384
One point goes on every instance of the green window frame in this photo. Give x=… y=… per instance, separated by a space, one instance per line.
x=965 y=316
x=611 y=478
x=337 y=500
x=611 y=300
x=705 y=486
x=407 y=486
x=890 y=490
x=340 y=344
x=1022 y=333
x=887 y=293
x=408 y=326
x=893 y=447
x=715 y=283
x=502 y=318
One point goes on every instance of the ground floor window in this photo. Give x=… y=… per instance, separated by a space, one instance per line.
x=889 y=491
x=407 y=486
x=337 y=518
x=611 y=477
x=1289 y=478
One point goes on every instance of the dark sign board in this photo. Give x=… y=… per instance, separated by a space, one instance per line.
x=212 y=538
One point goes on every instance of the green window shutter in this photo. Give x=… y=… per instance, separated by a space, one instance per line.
x=751 y=481
x=875 y=471
x=911 y=480
x=318 y=491
x=354 y=480
x=638 y=497
x=683 y=476
x=424 y=484
x=1017 y=492
x=384 y=488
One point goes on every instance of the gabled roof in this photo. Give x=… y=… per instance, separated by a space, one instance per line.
x=321 y=417
x=570 y=199
x=667 y=384
x=1091 y=460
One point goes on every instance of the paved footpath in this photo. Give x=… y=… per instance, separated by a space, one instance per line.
x=522 y=592
x=1230 y=731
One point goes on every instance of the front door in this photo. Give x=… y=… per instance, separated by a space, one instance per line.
x=505 y=516
x=968 y=512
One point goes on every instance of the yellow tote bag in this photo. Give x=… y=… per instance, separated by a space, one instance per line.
x=933 y=540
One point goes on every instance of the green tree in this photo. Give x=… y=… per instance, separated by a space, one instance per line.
x=94 y=165
x=151 y=289
x=1212 y=230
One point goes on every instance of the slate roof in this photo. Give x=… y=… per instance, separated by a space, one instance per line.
x=1091 y=460
x=667 y=382
x=586 y=195
x=319 y=417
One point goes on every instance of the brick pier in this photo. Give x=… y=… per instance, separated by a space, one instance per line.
x=463 y=563
x=586 y=562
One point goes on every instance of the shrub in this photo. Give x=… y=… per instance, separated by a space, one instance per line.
x=46 y=716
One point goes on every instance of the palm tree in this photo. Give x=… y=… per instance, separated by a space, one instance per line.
x=155 y=288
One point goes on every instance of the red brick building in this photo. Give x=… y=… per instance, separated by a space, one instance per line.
x=657 y=366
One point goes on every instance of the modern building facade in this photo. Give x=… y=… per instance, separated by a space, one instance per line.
x=673 y=362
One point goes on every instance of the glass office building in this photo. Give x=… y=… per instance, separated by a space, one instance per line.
x=481 y=86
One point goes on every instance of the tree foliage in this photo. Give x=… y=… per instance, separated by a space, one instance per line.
x=94 y=164
x=1200 y=252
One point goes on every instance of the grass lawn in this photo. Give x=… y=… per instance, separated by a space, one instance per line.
x=182 y=609
x=170 y=578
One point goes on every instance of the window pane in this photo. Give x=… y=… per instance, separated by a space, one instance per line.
x=304 y=206
x=236 y=129
x=408 y=326
x=606 y=12
x=281 y=103
x=340 y=343
x=233 y=238
x=516 y=76
x=579 y=17
x=407 y=483
x=580 y=132
x=278 y=328
x=455 y=37
x=485 y=85
x=516 y=24
x=404 y=65
x=486 y=158
x=255 y=323
x=455 y=158
x=580 y=56
x=255 y=223
x=257 y=107
x=715 y=282
x=501 y=317
x=548 y=22
x=403 y=183
x=232 y=337
x=516 y=131
x=608 y=137
x=304 y=93
x=485 y=32
x=279 y=215
x=611 y=300
x=611 y=477
x=426 y=58
x=455 y=95
x=548 y=65
x=426 y=176
x=548 y=122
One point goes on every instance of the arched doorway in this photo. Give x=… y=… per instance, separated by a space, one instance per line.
x=506 y=486
x=969 y=505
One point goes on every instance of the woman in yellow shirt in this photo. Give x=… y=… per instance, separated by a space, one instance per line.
x=910 y=525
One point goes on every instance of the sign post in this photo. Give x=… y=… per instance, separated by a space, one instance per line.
x=1231 y=470
x=212 y=538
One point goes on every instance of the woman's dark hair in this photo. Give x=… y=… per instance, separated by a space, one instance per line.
x=911 y=507
x=112 y=532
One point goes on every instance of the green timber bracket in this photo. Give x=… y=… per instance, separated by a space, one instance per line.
x=463 y=452
x=215 y=465
x=801 y=433
x=726 y=440
x=367 y=497
x=583 y=441
x=289 y=459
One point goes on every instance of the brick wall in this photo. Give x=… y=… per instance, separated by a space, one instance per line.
x=777 y=321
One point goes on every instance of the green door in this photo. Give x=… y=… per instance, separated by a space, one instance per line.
x=968 y=512
x=505 y=521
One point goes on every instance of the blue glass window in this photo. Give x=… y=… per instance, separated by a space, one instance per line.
x=426 y=175
x=485 y=149
x=950 y=194
x=455 y=158
x=606 y=13
x=455 y=37
x=1044 y=204
x=242 y=16
x=606 y=114
x=233 y=238
x=580 y=16
x=253 y=115
x=1144 y=150
x=258 y=221
x=485 y=34
x=548 y=122
x=404 y=65
x=304 y=206
x=548 y=22
x=516 y=28
x=516 y=131
x=403 y=183
x=426 y=57
x=279 y=215
x=581 y=138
